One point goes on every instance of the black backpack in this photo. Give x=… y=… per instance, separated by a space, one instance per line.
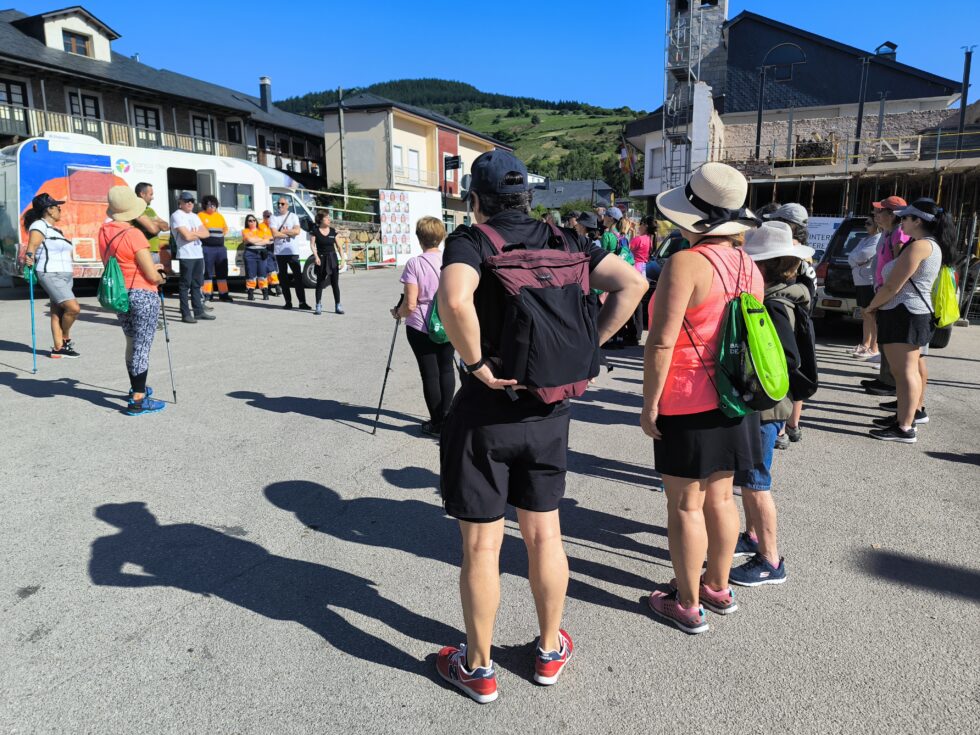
x=803 y=380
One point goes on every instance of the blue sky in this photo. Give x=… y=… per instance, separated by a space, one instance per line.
x=539 y=49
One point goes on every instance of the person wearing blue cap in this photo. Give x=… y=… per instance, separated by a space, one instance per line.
x=501 y=444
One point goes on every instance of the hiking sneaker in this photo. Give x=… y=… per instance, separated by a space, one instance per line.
x=667 y=606
x=548 y=665
x=895 y=433
x=720 y=602
x=921 y=417
x=782 y=441
x=338 y=309
x=746 y=546
x=146 y=405
x=860 y=351
x=149 y=392
x=480 y=684
x=66 y=351
x=758 y=571
x=318 y=310
x=889 y=405
x=430 y=428
x=874 y=359
x=876 y=388
x=795 y=433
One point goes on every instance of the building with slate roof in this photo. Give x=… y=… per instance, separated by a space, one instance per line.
x=810 y=114
x=58 y=73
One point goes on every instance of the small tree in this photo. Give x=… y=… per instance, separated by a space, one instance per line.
x=535 y=119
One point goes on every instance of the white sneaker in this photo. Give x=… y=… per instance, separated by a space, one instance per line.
x=874 y=359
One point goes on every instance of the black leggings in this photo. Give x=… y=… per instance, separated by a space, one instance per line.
x=323 y=275
x=438 y=374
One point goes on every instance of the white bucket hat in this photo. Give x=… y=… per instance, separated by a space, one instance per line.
x=711 y=202
x=774 y=240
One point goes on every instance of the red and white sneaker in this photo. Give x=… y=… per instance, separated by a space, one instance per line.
x=480 y=684
x=667 y=606
x=548 y=665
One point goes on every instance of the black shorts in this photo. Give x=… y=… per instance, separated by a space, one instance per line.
x=487 y=466
x=864 y=295
x=697 y=445
x=900 y=326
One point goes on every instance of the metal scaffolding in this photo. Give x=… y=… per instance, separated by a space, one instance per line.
x=682 y=70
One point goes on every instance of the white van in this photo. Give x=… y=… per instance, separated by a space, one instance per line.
x=80 y=170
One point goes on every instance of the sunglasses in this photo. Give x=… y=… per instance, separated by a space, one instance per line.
x=283 y=204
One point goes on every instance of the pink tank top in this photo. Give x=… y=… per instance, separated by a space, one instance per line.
x=689 y=388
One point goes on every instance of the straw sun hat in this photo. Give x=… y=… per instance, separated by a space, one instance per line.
x=711 y=202
x=124 y=205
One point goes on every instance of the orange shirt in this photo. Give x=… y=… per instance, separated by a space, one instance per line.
x=126 y=241
x=214 y=221
x=256 y=233
x=264 y=230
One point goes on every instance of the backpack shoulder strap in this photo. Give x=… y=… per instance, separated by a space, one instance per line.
x=493 y=236
x=561 y=236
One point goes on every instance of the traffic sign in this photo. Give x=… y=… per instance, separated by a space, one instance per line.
x=453 y=162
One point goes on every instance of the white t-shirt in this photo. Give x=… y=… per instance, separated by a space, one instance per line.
x=54 y=255
x=286 y=245
x=186 y=249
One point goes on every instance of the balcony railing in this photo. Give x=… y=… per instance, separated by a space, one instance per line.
x=417 y=177
x=23 y=122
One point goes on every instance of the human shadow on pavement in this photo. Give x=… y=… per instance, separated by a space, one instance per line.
x=207 y=562
x=355 y=417
x=67 y=387
x=613 y=469
x=908 y=570
x=423 y=530
x=834 y=425
x=595 y=414
x=965 y=458
x=411 y=478
x=8 y=346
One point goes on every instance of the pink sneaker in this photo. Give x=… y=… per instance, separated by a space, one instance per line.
x=720 y=602
x=480 y=684
x=548 y=665
x=665 y=605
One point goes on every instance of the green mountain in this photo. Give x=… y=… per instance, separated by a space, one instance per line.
x=564 y=139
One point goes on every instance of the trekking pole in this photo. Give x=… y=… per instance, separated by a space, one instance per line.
x=391 y=352
x=166 y=338
x=29 y=274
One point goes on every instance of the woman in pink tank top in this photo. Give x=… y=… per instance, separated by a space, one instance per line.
x=697 y=449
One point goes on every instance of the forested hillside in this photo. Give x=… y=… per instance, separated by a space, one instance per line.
x=564 y=139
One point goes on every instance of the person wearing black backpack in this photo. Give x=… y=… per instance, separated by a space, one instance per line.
x=788 y=303
x=505 y=282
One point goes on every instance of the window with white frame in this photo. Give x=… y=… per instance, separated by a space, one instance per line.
x=236 y=196
x=413 y=164
x=397 y=161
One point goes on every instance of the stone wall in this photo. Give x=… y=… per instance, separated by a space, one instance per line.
x=740 y=139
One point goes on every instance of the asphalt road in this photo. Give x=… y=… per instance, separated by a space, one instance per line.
x=253 y=560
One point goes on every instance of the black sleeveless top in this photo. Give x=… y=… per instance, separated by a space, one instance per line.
x=325 y=244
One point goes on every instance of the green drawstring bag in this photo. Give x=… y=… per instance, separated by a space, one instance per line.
x=945 y=305
x=112 y=293
x=437 y=332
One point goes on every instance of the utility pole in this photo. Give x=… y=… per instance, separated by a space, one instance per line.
x=343 y=157
x=865 y=64
x=964 y=94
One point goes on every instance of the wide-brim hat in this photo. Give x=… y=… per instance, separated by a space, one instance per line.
x=588 y=220
x=124 y=205
x=712 y=202
x=774 y=240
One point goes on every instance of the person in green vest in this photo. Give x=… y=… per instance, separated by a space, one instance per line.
x=611 y=241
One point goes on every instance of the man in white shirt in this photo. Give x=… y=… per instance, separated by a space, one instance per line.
x=287 y=239
x=188 y=230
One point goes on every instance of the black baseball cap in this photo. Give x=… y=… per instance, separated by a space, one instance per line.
x=489 y=170
x=45 y=200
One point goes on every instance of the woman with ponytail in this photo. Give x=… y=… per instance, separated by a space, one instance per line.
x=903 y=308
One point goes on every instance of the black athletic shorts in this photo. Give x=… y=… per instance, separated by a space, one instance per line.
x=864 y=295
x=488 y=466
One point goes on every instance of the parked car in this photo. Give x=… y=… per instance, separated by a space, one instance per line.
x=671 y=244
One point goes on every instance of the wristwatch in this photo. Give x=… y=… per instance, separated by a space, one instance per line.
x=469 y=369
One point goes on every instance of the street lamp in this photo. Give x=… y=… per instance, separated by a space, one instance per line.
x=786 y=54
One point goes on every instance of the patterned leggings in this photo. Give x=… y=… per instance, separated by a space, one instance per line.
x=140 y=326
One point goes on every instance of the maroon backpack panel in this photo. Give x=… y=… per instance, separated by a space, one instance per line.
x=550 y=340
